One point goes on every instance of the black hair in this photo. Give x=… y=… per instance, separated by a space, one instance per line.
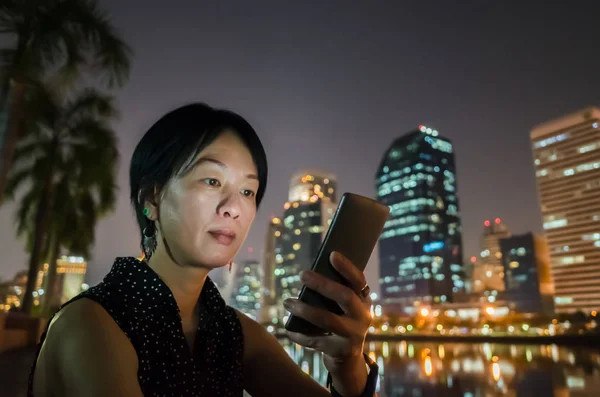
x=172 y=143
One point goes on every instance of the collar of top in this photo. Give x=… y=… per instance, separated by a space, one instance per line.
x=147 y=288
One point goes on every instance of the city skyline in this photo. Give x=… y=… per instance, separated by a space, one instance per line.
x=313 y=91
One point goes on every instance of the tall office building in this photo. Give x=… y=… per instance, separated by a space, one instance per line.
x=566 y=155
x=306 y=218
x=420 y=249
x=246 y=291
x=528 y=282
x=488 y=273
x=268 y=304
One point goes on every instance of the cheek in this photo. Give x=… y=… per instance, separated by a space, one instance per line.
x=185 y=215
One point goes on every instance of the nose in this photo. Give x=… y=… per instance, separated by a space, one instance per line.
x=229 y=207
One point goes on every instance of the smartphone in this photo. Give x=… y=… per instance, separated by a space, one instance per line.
x=354 y=231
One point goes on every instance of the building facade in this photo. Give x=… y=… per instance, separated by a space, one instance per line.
x=488 y=272
x=527 y=277
x=420 y=249
x=247 y=288
x=566 y=155
x=269 y=291
x=306 y=218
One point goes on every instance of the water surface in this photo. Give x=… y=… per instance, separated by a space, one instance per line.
x=472 y=370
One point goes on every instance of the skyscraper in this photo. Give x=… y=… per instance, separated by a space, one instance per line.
x=527 y=273
x=246 y=292
x=307 y=215
x=566 y=155
x=268 y=312
x=488 y=273
x=420 y=248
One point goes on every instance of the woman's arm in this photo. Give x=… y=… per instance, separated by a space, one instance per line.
x=269 y=370
x=86 y=354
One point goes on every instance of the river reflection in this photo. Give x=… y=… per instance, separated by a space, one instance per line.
x=472 y=370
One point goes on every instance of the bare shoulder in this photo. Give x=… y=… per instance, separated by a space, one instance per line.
x=85 y=353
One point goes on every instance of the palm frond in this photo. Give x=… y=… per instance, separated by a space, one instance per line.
x=89 y=104
x=25 y=215
x=110 y=56
x=10 y=15
x=32 y=173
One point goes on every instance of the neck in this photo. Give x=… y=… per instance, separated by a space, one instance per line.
x=185 y=282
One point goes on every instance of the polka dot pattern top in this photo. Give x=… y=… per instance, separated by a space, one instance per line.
x=144 y=308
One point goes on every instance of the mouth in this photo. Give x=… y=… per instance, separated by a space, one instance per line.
x=223 y=236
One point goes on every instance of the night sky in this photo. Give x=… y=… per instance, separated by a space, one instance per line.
x=331 y=86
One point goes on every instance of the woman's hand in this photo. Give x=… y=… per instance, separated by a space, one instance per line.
x=343 y=346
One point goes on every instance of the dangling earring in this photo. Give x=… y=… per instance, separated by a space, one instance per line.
x=229 y=266
x=149 y=240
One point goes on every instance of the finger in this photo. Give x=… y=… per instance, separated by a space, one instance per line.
x=320 y=343
x=322 y=318
x=344 y=296
x=355 y=277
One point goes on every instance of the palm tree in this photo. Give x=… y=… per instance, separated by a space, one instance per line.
x=77 y=208
x=68 y=164
x=63 y=38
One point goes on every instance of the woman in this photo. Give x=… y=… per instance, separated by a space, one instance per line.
x=159 y=327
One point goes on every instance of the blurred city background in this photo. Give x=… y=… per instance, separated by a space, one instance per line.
x=478 y=124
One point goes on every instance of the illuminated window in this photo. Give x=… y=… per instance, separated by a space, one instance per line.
x=568 y=260
x=555 y=224
x=551 y=140
x=439 y=144
x=588 y=148
x=563 y=300
x=588 y=166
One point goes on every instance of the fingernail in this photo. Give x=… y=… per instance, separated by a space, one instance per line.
x=336 y=256
x=305 y=275
x=288 y=303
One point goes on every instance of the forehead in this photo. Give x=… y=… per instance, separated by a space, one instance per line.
x=225 y=142
x=229 y=149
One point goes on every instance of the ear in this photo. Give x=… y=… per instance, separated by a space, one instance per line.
x=151 y=202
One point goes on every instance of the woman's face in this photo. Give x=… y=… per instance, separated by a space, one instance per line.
x=205 y=215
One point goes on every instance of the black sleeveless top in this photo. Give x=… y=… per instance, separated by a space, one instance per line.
x=143 y=307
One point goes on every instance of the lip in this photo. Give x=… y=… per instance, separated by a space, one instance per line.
x=223 y=236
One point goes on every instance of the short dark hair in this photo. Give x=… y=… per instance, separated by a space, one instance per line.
x=172 y=143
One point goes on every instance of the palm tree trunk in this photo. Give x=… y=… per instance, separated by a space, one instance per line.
x=50 y=291
x=41 y=225
x=13 y=133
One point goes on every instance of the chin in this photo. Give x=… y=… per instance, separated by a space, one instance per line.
x=217 y=259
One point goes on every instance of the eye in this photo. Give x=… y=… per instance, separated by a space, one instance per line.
x=212 y=182
x=248 y=193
